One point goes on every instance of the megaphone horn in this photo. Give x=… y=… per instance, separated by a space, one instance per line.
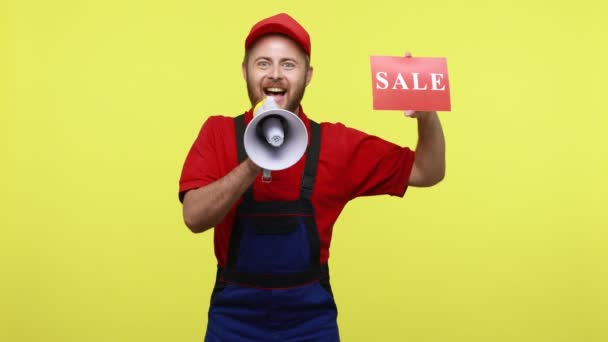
x=273 y=129
x=276 y=138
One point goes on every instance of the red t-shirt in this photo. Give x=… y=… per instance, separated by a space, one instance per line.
x=351 y=164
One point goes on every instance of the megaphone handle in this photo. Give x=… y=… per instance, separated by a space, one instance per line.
x=266 y=177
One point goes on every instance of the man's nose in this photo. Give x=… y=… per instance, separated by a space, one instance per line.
x=276 y=72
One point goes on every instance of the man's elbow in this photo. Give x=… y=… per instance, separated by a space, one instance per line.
x=429 y=181
x=426 y=178
x=195 y=225
x=437 y=179
x=437 y=176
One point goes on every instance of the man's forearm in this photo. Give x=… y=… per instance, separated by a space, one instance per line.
x=430 y=151
x=207 y=206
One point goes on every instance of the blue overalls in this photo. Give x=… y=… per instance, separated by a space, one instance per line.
x=273 y=287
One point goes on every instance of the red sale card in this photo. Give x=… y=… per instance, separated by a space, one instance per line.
x=410 y=83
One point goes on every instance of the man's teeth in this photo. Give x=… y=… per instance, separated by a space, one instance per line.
x=275 y=90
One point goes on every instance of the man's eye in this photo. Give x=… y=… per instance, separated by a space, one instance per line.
x=263 y=64
x=289 y=65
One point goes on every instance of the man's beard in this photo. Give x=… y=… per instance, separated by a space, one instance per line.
x=293 y=103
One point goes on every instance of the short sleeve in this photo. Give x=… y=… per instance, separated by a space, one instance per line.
x=207 y=157
x=372 y=166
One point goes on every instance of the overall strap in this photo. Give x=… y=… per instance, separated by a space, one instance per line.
x=239 y=129
x=312 y=160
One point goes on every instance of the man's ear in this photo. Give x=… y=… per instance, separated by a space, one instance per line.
x=309 y=73
x=244 y=69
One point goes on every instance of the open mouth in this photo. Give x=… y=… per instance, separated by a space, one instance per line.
x=275 y=92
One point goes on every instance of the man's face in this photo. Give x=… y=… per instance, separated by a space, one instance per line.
x=277 y=67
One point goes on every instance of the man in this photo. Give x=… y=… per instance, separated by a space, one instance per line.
x=272 y=238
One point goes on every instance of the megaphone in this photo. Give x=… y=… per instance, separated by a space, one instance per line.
x=276 y=138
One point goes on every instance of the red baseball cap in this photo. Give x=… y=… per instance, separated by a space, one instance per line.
x=281 y=24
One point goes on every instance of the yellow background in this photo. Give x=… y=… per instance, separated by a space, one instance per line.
x=101 y=100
